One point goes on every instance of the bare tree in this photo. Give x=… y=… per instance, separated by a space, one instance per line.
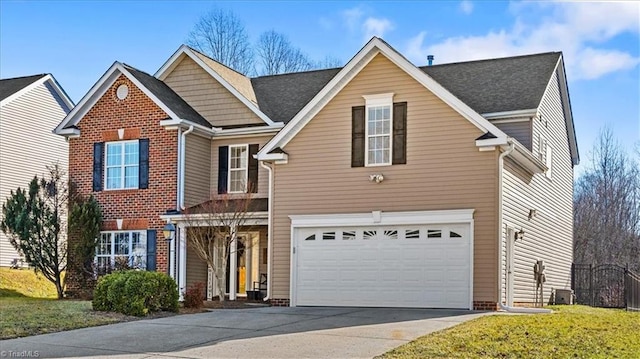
x=607 y=207
x=221 y=35
x=328 y=62
x=213 y=229
x=276 y=55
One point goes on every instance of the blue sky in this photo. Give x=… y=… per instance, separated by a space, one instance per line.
x=78 y=41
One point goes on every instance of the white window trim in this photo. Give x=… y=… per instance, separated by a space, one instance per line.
x=377 y=100
x=112 y=256
x=246 y=168
x=549 y=161
x=122 y=166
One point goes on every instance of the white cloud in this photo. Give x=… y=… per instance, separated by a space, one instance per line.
x=375 y=27
x=466 y=7
x=579 y=29
x=359 y=22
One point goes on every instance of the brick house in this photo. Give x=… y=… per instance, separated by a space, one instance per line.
x=376 y=184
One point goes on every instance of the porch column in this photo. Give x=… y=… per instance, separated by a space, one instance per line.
x=233 y=267
x=182 y=251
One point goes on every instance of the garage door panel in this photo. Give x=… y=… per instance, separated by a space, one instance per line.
x=401 y=266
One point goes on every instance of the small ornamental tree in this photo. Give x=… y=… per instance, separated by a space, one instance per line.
x=85 y=217
x=34 y=221
x=213 y=231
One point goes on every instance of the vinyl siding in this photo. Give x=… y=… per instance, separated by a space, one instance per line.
x=196 y=268
x=548 y=236
x=27 y=145
x=207 y=96
x=521 y=131
x=197 y=180
x=444 y=170
x=263 y=175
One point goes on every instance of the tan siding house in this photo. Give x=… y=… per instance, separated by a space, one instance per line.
x=30 y=108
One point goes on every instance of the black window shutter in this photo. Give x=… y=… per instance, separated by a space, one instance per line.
x=223 y=168
x=98 y=166
x=357 y=136
x=151 y=249
x=399 y=133
x=143 y=177
x=252 y=175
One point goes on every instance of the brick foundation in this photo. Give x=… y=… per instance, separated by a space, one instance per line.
x=485 y=305
x=279 y=302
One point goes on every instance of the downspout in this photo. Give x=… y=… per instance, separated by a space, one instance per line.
x=269 y=227
x=172 y=245
x=501 y=304
x=182 y=162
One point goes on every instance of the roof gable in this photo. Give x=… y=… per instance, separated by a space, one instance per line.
x=13 y=88
x=155 y=89
x=354 y=66
x=234 y=82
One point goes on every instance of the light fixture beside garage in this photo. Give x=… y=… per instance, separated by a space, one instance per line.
x=377 y=178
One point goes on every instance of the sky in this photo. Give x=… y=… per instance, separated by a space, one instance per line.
x=77 y=41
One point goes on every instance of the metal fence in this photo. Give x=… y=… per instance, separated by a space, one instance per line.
x=606 y=286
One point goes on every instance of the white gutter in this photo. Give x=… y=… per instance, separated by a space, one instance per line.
x=501 y=304
x=173 y=123
x=508 y=114
x=249 y=130
x=269 y=227
x=182 y=149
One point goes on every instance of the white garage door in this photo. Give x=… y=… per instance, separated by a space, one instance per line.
x=422 y=266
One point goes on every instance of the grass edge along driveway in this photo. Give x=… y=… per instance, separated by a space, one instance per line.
x=569 y=332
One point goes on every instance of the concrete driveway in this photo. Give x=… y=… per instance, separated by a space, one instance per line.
x=265 y=332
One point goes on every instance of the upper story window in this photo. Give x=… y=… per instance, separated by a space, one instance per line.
x=378 y=129
x=122 y=165
x=378 y=132
x=238 y=159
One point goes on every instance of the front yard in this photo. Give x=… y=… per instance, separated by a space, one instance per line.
x=569 y=332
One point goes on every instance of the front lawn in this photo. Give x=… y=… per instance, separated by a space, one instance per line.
x=24 y=316
x=569 y=332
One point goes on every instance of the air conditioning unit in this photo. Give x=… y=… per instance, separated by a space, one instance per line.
x=564 y=296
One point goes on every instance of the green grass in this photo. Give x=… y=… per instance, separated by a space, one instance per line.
x=569 y=332
x=16 y=282
x=28 y=307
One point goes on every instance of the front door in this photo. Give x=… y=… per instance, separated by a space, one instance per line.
x=247 y=262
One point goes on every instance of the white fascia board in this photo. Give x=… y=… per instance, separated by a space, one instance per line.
x=385 y=218
x=566 y=103
x=523 y=157
x=353 y=67
x=69 y=132
x=63 y=95
x=174 y=124
x=489 y=142
x=171 y=63
x=90 y=98
x=278 y=158
x=100 y=88
x=201 y=220
x=250 y=130
x=510 y=114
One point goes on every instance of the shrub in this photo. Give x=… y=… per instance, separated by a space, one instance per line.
x=138 y=293
x=194 y=296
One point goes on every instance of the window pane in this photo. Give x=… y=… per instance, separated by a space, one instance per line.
x=386 y=127
x=139 y=254
x=114 y=177
x=372 y=113
x=131 y=177
x=122 y=243
x=237 y=178
x=104 y=246
x=114 y=154
x=385 y=156
x=386 y=113
x=131 y=153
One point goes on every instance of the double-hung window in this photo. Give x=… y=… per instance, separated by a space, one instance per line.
x=378 y=129
x=120 y=247
x=238 y=170
x=122 y=165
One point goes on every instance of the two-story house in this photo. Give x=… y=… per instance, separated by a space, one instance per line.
x=378 y=184
x=40 y=103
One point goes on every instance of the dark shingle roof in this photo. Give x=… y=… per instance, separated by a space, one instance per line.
x=494 y=85
x=281 y=97
x=10 y=86
x=168 y=97
x=498 y=85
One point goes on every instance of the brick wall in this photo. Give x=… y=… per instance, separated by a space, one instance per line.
x=139 y=116
x=484 y=305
